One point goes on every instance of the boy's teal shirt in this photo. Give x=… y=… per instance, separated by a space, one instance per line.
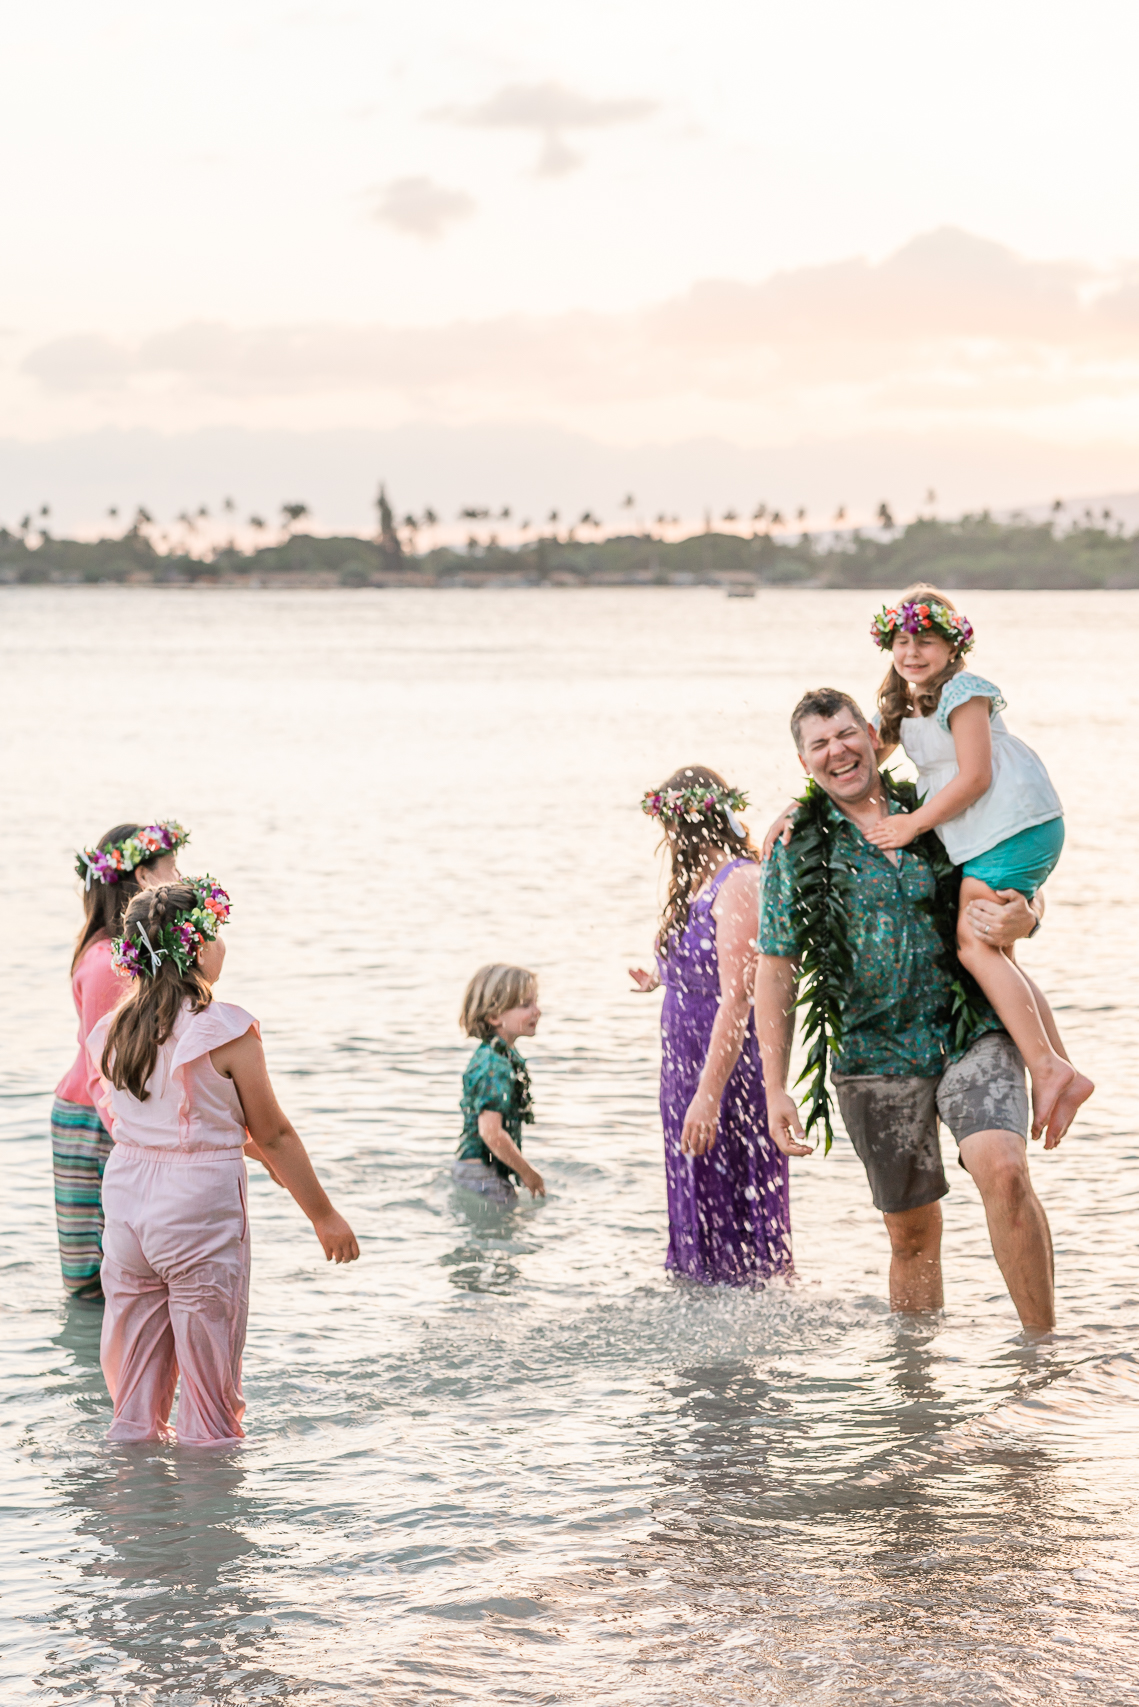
x=496 y=1078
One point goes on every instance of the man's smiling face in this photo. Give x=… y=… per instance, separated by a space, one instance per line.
x=839 y=753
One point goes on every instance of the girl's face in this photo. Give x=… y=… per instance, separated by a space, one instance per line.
x=521 y=1021
x=920 y=657
x=211 y=958
x=158 y=872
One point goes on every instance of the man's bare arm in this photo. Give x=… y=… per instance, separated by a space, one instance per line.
x=776 y=982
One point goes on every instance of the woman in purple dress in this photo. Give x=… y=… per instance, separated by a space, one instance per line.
x=728 y=1215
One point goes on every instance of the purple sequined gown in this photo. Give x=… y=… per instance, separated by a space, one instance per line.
x=728 y=1215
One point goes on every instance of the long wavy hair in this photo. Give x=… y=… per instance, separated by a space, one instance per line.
x=142 y=1024
x=895 y=700
x=105 y=903
x=692 y=849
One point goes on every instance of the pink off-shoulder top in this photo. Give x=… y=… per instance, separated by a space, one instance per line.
x=96 y=988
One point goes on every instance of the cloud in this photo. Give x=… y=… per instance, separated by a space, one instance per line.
x=421 y=207
x=951 y=333
x=550 y=109
x=550 y=106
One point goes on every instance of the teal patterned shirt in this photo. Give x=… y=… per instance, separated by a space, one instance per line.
x=496 y=1078
x=897 y=1019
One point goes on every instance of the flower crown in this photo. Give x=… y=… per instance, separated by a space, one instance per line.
x=695 y=803
x=107 y=865
x=915 y=618
x=179 y=939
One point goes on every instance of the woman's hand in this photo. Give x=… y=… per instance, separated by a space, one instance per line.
x=895 y=832
x=644 y=981
x=784 y=1125
x=700 y=1122
x=336 y=1236
x=780 y=831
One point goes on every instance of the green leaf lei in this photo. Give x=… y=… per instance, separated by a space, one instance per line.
x=820 y=889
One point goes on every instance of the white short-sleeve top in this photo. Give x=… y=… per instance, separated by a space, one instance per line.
x=189 y=1105
x=1021 y=792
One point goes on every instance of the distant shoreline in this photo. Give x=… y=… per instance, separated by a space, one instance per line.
x=975 y=551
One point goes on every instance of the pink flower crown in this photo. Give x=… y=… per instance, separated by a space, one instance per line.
x=180 y=938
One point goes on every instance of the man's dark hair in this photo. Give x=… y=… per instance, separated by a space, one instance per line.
x=822 y=702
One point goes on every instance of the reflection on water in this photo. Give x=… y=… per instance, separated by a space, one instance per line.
x=504 y=1457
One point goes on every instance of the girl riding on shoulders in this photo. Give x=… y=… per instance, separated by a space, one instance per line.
x=990 y=800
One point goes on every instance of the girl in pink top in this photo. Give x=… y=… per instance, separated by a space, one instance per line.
x=187 y=1096
x=128 y=858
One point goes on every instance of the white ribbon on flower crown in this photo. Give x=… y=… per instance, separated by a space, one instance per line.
x=734 y=824
x=155 y=954
x=90 y=864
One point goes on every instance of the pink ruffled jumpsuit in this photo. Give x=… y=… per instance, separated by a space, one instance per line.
x=176 y=1242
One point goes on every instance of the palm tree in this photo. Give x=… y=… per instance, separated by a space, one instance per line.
x=293 y=514
x=391 y=551
x=885 y=516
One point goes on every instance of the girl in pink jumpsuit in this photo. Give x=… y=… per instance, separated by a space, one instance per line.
x=187 y=1095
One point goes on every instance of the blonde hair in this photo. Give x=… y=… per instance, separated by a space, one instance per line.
x=894 y=700
x=492 y=992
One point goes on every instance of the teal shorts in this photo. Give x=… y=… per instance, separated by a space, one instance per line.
x=1024 y=862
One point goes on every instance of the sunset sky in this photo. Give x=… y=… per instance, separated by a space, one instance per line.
x=815 y=253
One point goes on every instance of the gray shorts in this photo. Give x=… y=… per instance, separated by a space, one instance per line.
x=892 y=1123
x=480 y=1177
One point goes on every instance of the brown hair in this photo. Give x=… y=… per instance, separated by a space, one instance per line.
x=894 y=701
x=689 y=846
x=105 y=903
x=145 y=1020
x=492 y=992
x=822 y=702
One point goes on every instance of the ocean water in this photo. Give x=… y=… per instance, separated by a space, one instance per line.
x=503 y=1458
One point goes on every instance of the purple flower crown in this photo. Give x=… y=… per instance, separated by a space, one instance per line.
x=916 y=617
x=107 y=865
x=693 y=804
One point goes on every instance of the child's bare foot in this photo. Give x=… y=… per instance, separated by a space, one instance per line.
x=1049 y=1083
x=1064 y=1108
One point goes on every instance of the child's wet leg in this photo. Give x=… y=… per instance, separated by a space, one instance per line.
x=1054 y=1079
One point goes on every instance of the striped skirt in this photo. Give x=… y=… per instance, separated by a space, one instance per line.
x=80 y=1145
